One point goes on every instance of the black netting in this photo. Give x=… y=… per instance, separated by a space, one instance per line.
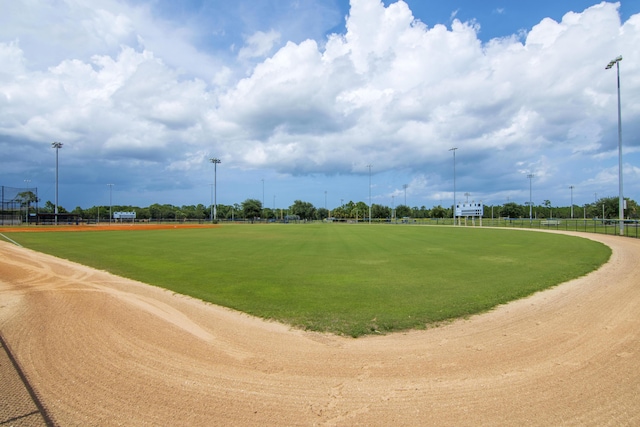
x=16 y=198
x=16 y=202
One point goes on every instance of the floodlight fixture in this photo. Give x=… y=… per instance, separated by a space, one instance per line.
x=613 y=62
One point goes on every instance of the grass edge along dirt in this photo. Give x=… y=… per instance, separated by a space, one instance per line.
x=343 y=279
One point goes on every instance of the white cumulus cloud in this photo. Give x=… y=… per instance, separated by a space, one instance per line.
x=115 y=81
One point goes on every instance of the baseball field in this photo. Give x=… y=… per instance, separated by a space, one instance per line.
x=343 y=279
x=102 y=349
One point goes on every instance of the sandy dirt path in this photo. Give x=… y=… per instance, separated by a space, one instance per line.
x=103 y=350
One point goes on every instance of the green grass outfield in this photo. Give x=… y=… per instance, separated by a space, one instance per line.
x=345 y=279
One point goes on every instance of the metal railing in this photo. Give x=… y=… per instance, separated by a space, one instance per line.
x=589 y=225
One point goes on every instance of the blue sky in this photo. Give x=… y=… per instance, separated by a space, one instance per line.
x=298 y=97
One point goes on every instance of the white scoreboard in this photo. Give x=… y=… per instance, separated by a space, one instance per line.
x=124 y=215
x=469 y=209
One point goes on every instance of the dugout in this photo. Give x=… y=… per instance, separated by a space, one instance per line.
x=63 y=219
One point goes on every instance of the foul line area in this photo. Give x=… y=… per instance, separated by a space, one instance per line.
x=21 y=405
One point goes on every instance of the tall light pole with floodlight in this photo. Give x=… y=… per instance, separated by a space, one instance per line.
x=215 y=162
x=571 y=187
x=369 y=166
x=530 y=176
x=393 y=207
x=57 y=146
x=611 y=63
x=405 y=193
x=26 y=216
x=110 y=204
x=211 y=203
x=454 y=183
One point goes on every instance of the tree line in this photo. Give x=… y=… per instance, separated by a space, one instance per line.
x=252 y=209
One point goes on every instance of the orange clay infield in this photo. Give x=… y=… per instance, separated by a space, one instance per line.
x=104 y=350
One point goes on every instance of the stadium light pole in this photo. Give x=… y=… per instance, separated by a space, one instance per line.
x=530 y=176
x=611 y=63
x=571 y=187
x=211 y=203
x=454 y=183
x=215 y=162
x=405 y=193
x=110 y=204
x=369 y=166
x=57 y=146
x=26 y=215
x=393 y=206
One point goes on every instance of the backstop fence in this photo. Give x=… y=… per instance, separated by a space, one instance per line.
x=18 y=205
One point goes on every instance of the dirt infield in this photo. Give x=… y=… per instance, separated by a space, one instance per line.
x=19 y=405
x=103 y=350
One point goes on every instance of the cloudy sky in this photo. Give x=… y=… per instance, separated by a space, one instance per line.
x=298 y=97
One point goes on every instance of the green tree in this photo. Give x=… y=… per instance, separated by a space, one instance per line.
x=49 y=207
x=226 y=211
x=251 y=208
x=359 y=210
x=632 y=209
x=547 y=204
x=26 y=198
x=268 y=213
x=304 y=210
x=379 y=211
x=611 y=208
x=161 y=212
x=347 y=209
x=339 y=212
x=78 y=211
x=322 y=213
x=420 y=212
x=142 y=213
x=438 y=212
x=512 y=210
x=403 y=210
